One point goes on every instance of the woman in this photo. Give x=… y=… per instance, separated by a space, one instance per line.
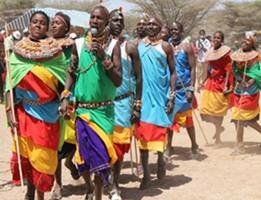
x=215 y=98
x=37 y=71
x=60 y=27
x=247 y=71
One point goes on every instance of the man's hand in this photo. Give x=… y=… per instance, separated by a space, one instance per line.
x=63 y=109
x=10 y=120
x=97 y=49
x=189 y=96
x=169 y=106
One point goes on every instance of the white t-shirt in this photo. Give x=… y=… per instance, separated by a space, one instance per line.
x=203 y=45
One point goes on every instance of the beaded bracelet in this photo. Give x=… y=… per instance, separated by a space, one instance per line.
x=172 y=95
x=190 y=89
x=65 y=94
x=137 y=104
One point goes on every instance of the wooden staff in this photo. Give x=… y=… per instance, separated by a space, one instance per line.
x=9 y=79
x=199 y=125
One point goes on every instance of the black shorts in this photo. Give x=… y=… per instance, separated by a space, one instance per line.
x=66 y=150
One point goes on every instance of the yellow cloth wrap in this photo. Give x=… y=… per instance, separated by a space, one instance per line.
x=214 y=103
x=152 y=145
x=47 y=77
x=181 y=117
x=42 y=159
x=244 y=115
x=69 y=130
x=122 y=135
x=107 y=140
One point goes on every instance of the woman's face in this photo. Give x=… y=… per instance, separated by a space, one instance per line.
x=247 y=44
x=58 y=27
x=38 y=26
x=217 y=40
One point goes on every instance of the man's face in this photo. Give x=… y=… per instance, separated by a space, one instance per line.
x=116 y=23
x=176 y=32
x=165 y=33
x=141 y=27
x=98 y=20
x=202 y=35
x=154 y=27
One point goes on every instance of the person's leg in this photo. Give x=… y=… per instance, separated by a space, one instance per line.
x=98 y=187
x=57 y=191
x=116 y=174
x=40 y=195
x=255 y=125
x=161 y=166
x=89 y=186
x=30 y=193
x=239 y=147
x=192 y=136
x=144 y=156
x=218 y=129
x=169 y=147
x=71 y=166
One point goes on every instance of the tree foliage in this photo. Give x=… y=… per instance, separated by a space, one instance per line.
x=243 y=16
x=86 y=5
x=188 y=12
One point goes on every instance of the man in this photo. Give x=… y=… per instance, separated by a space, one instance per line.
x=141 y=30
x=185 y=68
x=157 y=63
x=96 y=78
x=202 y=44
x=127 y=110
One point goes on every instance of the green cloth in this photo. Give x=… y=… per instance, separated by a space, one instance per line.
x=253 y=71
x=20 y=67
x=94 y=85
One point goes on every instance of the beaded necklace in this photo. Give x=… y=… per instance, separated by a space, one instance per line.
x=42 y=50
x=103 y=40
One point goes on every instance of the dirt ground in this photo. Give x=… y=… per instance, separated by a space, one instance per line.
x=214 y=175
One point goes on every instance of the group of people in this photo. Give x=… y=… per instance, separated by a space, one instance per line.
x=85 y=99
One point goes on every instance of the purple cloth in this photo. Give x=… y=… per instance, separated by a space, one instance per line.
x=93 y=151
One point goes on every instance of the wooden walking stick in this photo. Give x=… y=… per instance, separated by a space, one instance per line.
x=200 y=127
x=9 y=79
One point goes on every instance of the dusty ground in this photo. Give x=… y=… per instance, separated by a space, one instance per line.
x=214 y=175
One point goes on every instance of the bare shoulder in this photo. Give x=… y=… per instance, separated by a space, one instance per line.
x=166 y=47
x=131 y=47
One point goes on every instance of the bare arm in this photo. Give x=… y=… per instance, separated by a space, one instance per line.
x=71 y=76
x=170 y=59
x=115 y=73
x=192 y=63
x=134 y=54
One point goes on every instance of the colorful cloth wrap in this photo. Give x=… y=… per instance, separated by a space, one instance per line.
x=36 y=105
x=182 y=113
x=246 y=101
x=213 y=101
x=94 y=127
x=151 y=130
x=123 y=129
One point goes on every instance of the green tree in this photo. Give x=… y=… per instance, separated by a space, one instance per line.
x=189 y=12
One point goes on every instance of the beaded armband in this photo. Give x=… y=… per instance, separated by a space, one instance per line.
x=65 y=94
